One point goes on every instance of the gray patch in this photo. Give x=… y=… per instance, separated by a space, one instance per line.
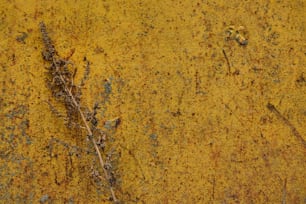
x=44 y=198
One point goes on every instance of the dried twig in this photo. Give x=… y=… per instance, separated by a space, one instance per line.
x=60 y=82
x=284 y=192
x=227 y=62
x=272 y=108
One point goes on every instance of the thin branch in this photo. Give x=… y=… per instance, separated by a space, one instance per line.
x=227 y=62
x=272 y=108
x=284 y=192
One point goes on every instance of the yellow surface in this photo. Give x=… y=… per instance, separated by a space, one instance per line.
x=190 y=132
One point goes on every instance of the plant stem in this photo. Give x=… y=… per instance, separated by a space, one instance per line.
x=77 y=105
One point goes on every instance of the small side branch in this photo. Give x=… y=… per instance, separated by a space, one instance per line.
x=54 y=110
x=86 y=73
x=272 y=108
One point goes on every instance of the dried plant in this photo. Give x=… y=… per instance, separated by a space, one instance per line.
x=60 y=80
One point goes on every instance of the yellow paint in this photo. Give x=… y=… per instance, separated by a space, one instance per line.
x=192 y=129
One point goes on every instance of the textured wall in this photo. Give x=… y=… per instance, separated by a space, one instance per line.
x=195 y=126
